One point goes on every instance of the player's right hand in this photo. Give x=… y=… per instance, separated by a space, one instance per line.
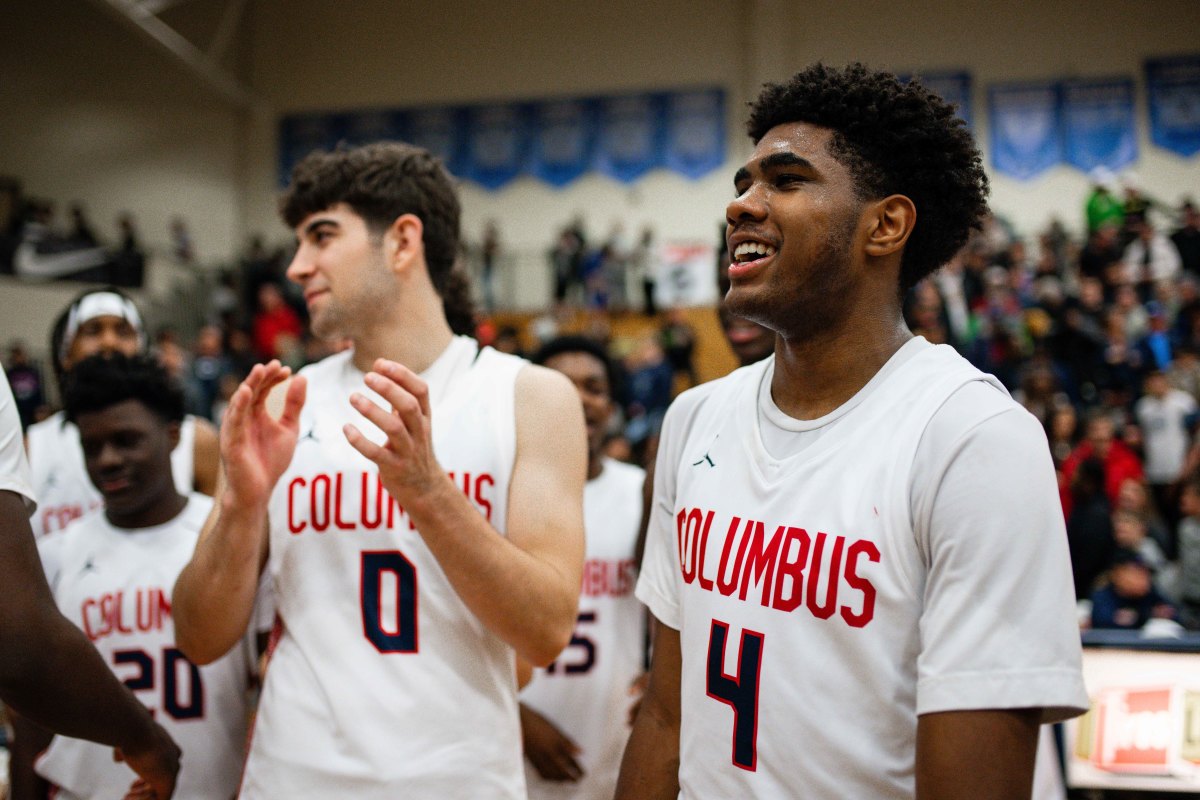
x=256 y=447
x=156 y=763
x=551 y=751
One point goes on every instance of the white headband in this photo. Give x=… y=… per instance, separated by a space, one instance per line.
x=100 y=304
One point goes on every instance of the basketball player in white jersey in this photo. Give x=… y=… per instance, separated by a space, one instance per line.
x=48 y=670
x=856 y=556
x=112 y=571
x=101 y=321
x=420 y=513
x=574 y=713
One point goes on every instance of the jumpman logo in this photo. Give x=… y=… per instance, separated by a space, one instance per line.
x=707 y=457
x=89 y=565
x=310 y=435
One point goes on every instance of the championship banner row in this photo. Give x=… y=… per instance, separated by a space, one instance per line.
x=557 y=141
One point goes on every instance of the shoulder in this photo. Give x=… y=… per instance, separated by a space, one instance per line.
x=714 y=394
x=48 y=429
x=624 y=474
x=981 y=410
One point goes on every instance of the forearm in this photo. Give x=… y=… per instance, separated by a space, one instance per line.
x=650 y=766
x=526 y=601
x=214 y=595
x=27 y=742
x=91 y=705
x=984 y=755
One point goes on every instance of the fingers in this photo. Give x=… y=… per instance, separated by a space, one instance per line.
x=362 y=444
x=293 y=402
x=403 y=402
x=407 y=380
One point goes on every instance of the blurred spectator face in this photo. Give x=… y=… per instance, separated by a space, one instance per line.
x=208 y=341
x=1129 y=529
x=1091 y=293
x=1130 y=580
x=1100 y=433
x=105 y=334
x=1062 y=424
x=1156 y=384
x=1131 y=495
x=1126 y=297
x=269 y=297
x=1189 y=501
x=590 y=377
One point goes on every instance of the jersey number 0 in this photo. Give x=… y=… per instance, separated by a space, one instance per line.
x=388 y=589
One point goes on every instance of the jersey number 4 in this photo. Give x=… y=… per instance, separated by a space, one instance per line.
x=388 y=589
x=738 y=691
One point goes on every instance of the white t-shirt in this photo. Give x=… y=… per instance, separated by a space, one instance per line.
x=384 y=683
x=1165 y=431
x=14 y=468
x=910 y=559
x=115 y=585
x=585 y=693
x=64 y=490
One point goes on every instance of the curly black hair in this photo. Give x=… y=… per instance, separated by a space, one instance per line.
x=101 y=381
x=894 y=138
x=580 y=344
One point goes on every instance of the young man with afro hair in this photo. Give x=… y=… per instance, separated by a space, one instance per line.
x=856 y=557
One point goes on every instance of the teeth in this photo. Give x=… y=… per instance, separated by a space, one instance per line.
x=747 y=251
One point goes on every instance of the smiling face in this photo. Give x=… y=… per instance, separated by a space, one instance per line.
x=791 y=232
x=127 y=452
x=591 y=381
x=341 y=267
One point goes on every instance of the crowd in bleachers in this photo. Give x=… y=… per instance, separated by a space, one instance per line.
x=1097 y=336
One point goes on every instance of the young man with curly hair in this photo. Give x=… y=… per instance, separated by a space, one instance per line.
x=856 y=557
x=420 y=516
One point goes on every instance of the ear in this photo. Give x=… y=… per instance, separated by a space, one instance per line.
x=891 y=222
x=403 y=242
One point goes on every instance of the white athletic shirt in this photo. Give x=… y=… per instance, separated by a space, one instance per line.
x=14 y=468
x=585 y=693
x=115 y=585
x=60 y=478
x=384 y=684
x=1164 y=423
x=910 y=559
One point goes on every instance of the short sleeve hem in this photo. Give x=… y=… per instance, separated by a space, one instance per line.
x=664 y=610
x=1058 y=692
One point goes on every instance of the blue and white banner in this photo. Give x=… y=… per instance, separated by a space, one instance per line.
x=1098 y=123
x=1173 y=98
x=631 y=136
x=953 y=87
x=695 y=122
x=497 y=139
x=623 y=137
x=1025 y=127
x=440 y=131
x=563 y=140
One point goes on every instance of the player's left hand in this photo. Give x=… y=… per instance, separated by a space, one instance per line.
x=405 y=460
x=552 y=752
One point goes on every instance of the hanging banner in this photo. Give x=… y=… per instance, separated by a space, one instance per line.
x=365 y=127
x=497 y=139
x=1173 y=98
x=301 y=134
x=695 y=139
x=1098 y=123
x=953 y=87
x=440 y=131
x=1025 y=128
x=630 y=143
x=563 y=141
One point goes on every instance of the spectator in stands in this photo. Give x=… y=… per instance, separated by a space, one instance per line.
x=1165 y=416
x=1131 y=531
x=566 y=261
x=678 y=339
x=1149 y=258
x=649 y=393
x=642 y=269
x=209 y=366
x=1103 y=208
x=1089 y=527
x=1184 y=372
x=1101 y=253
x=1134 y=495
x=1186 y=239
x=129 y=260
x=1189 y=554
x=489 y=259
x=26 y=382
x=1100 y=442
x=1130 y=599
x=81 y=230
x=182 y=249
x=277 y=327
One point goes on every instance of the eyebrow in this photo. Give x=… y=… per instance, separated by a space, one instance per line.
x=317 y=223
x=774 y=161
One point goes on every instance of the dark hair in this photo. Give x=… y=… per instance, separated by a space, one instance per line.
x=381 y=182
x=101 y=381
x=894 y=138
x=59 y=329
x=580 y=344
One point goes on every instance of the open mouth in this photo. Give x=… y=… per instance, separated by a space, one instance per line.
x=748 y=256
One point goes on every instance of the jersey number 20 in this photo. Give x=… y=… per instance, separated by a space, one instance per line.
x=388 y=588
x=738 y=691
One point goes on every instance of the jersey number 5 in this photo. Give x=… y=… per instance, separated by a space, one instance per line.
x=388 y=589
x=738 y=691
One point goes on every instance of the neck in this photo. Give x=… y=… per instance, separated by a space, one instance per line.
x=414 y=337
x=815 y=376
x=157 y=513
x=595 y=466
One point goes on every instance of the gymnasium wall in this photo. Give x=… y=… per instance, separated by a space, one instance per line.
x=93 y=111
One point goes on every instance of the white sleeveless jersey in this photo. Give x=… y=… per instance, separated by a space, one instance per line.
x=115 y=585
x=822 y=606
x=586 y=691
x=383 y=683
x=60 y=478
